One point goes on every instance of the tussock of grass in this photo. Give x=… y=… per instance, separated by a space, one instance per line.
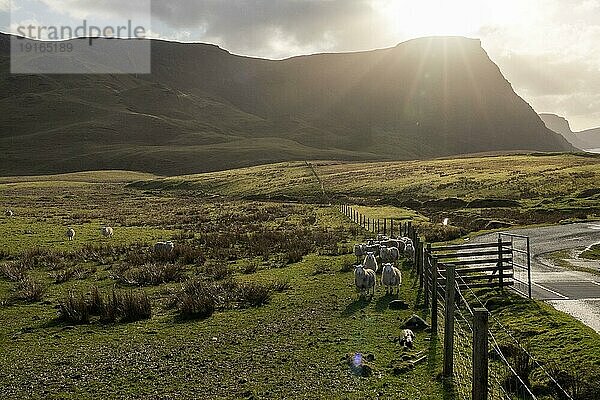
x=116 y=306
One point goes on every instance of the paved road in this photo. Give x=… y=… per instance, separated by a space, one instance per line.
x=576 y=293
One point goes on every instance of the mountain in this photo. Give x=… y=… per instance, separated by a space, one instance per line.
x=561 y=126
x=591 y=137
x=204 y=109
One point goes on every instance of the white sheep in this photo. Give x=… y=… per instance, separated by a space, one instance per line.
x=164 y=248
x=370 y=262
x=389 y=254
x=407 y=338
x=70 y=234
x=9 y=213
x=364 y=279
x=359 y=251
x=391 y=278
x=107 y=231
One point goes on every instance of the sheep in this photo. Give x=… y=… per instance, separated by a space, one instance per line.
x=407 y=338
x=9 y=213
x=373 y=248
x=359 y=251
x=391 y=278
x=107 y=231
x=382 y=238
x=70 y=234
x=365 y=280
x=392 y=243
x=164 y=248
x=389 y=254
x=371 y=262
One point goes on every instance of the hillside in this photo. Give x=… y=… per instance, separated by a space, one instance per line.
x=204 y=109
x=561 y=126
x=591 y=136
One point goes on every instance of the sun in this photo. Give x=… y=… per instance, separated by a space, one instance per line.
x=416 y=18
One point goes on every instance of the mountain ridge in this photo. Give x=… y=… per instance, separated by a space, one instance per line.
x=204 y=109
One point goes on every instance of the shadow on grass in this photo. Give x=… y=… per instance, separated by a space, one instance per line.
x=384 y=301
x=356 y=306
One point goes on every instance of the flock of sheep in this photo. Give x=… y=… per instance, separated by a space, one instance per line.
x=388 y=251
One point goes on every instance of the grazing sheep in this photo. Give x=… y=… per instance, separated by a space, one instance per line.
x=393 y=243
x=391 y=278
x=107 y=231
x=164 y=248
x=70 y=234
x=359 y=251
x=382 y=238
x=364 y=279
x=446 y=222
x=371 y=262
x=409 y=251
x=389 y=254
x=373 y=248
x=10 y=213
x=407 y=338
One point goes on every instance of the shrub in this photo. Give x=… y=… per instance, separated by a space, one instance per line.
x=74 y=309
x=77 y=272
x=29 y=290
x=252 y=294
x=14 y=271
x=188 y=255
x=118 y=306
x=217 y=270
x=129 y=306
x=150 y=274
x=196 y=299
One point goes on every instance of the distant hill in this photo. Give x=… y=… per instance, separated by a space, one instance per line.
x=204 y=109
x=590 y=136
x=561 y=126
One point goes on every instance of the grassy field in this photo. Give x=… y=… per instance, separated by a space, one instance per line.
x=282 y=318
x=474 y=193
x=293 y=343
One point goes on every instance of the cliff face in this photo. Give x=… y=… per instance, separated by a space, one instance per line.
x=203 y=109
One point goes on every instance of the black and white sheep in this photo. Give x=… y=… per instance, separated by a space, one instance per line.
x=107 y=231
x=70 y=234
x=164 y=247
x=364 y=279
x=391 y=278
x=407 y=338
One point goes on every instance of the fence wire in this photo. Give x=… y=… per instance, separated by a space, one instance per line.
x=510 y=363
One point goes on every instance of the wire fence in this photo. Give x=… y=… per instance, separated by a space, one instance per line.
x=483 y=359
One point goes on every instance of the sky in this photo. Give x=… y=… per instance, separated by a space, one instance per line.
x=548 y=49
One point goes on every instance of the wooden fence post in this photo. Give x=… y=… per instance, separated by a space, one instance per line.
x=385 y=226
x=479 y=389
x=500 y=263
x=448 y=370
x=434 y=297
x=426 y=256
x=426 y=272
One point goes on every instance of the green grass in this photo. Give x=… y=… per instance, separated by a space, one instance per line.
x=547 y=188
x=593 y=253
x=557 y=341
x=294 y=346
